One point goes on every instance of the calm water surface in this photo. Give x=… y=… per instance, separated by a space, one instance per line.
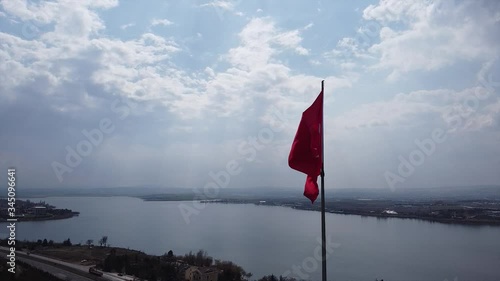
x=265 y=240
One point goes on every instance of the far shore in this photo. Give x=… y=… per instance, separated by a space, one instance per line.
x=464 y=212
x=45 y=218
x=385 y=209
x=433 y=210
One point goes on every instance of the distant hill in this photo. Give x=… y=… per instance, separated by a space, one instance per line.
x=98 y=192
x=162 y=193
x=433 y=193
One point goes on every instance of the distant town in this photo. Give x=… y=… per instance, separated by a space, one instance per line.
x=32 y=211
x=480 y=212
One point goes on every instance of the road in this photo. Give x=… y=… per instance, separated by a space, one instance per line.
x=56 y=271
x=64 y=270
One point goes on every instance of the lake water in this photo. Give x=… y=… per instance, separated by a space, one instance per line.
x=265 y=240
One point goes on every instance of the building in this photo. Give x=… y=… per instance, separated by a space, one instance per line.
x=194 y=273
x=39 y=210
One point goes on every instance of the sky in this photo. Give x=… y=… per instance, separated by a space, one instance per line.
x=105 y=93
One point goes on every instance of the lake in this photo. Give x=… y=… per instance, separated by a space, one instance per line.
x=265 y=240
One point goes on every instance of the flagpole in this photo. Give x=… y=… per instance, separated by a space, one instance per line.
x=323 y=228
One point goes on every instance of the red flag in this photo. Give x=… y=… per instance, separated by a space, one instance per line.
x=306 y=154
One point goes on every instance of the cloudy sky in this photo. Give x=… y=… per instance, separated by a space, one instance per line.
x=108 y=93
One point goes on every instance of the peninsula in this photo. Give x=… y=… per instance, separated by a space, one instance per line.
x=31 y=211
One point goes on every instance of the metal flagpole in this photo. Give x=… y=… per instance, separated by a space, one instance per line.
x=323 y=228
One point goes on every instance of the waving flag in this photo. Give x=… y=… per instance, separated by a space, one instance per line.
x=306 y=153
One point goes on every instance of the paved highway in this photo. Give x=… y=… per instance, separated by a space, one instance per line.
x=56 y=271
x=51 y=265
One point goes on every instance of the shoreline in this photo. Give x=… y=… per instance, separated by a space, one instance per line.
x=26 y=210
x=270 y=203
x=57 y=217
x=435 y=220
x=300 y=204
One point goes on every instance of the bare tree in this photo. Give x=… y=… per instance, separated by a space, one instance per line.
x=103 y=241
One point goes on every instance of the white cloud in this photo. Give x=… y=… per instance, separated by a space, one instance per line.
x=392 y=113
x=308 y=26
x=47 y=12
x=127 y=66
x=224 y=6
x=57 y=56
x=125 y=26
x=315 y=62
x=140 y=69
x=221 y=4
x=258 y=39
x=437 y=36
x=456 y=111
x=291 y=40
x=392 y=10
x=210 y=71
x=164 y=22
x=349 y=52
x=423 y=35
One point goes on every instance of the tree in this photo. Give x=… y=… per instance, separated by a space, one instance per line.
x=89 y=242
x=170 y=254
x=45 y=243
x=274 y=278
x=231 y=271
x=103 y=241
x=202 y=259
x=152 y=276
x=168 y=272
x=190 y=258
x=200 y=256
x=67 y=242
